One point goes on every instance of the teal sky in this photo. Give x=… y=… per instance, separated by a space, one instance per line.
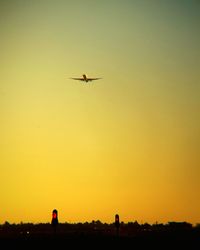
x=128 y=142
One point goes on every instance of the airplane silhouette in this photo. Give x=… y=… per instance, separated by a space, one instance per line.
x=85 y=78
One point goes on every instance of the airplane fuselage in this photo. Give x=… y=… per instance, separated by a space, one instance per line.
x=85 y=78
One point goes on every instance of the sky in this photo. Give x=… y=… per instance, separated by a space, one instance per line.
x=128 y=143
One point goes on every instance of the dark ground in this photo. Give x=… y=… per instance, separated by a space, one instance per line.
x=92 y=238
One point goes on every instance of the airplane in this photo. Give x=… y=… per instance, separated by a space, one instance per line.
x=85 y=78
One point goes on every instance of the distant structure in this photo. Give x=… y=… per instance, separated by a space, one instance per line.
x=54 y=221
x=117 y=224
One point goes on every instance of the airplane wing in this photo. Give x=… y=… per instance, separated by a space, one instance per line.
x=92 y=79
x=80 y=79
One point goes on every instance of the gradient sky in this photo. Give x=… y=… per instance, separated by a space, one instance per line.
x=128 y=143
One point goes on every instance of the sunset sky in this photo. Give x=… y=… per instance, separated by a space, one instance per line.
x=128 y=143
